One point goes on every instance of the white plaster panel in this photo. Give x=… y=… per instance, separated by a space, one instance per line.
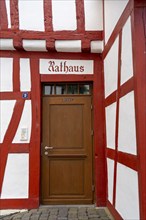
x=127 y=133
x=25 y=122
x=15 y=184
x=111 y=69
x=6 y=70
x=64 y=15
x=6 y=111
x=68 y=45
x=25 y=80
x=64 y=66
x=127 y=61
x=8 y=12
x=34 y=45
x=93 y=15
x=111 y=125
x=96 y=46
x=127 y=196
x=112 y=11
x=6 y=44
x=110 y=168
x=31 y=15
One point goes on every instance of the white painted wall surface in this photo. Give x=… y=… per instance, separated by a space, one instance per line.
x=127 y=201
x=112 y=10
x=96 y=46
x=68 y=45
x=6 y=70
x=15 y=184
x=93 y=15
x=6 y=44
x=111 y=69
x=111 y=125
x=127 y=59
x=64 y=15
x=127 y=133
x=6 y=111
x=31 y=15
x=25 y=76
x=34 y=45
x=25 y=122
x=110 y=169
x=8 y=12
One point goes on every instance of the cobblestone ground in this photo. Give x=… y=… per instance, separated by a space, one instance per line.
x=60 y=213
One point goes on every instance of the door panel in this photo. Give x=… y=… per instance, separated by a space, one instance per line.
x=66 y=160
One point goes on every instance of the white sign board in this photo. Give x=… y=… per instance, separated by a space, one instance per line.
x=54 y=66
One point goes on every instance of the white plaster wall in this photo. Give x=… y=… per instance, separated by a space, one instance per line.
x=112 y=10
x=6 y=44
x=34 y=45
x=64 y=15
x=127 y=61
x=93 y=15
x=25 y=80
x=96 y=46
x=111 y=69
x=6 y=111
x=6 y=70
x=127 y=133
x=25 y=122
x=8 y=12
x=31 y=15
x=127 y=198
x=110 y=168
x=15 y=183
x=68 y=45
x=111 y=125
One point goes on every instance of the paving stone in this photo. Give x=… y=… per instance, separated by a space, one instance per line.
x=102 y=212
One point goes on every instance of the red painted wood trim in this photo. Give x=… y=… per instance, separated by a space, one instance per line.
x=126 y=159
x=16 y=74
x=19 y=148
x=139 y=3
x=55 y=35
x=117 y=117
x=99 y=134
x=48 y=15
x=66 y=77
x=139 y=49
x=126 y=13
x=8 y=138
x=124 y=89
x=14 y=14
x=17 y=42
x=85 y=45
x=113 y=211
x=50 y=45
x=80 y=14
x=13 y=95
x=19 y=203
x=3 y=15
x=34 y=156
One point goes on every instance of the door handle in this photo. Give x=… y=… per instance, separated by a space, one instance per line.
x=48 y=148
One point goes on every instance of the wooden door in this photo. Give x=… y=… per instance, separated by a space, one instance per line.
x=66 y=164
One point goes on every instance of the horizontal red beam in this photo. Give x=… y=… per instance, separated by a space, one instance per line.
x=123 y=90
x=19 y=148
x=49 y=35
x=19 y=203
x=14 y=95
x=126 y=159
x=66 y=78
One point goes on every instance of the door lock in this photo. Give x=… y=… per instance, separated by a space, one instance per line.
x=46 y=153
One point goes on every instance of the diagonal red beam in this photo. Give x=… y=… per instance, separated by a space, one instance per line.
x=8 y=138
x=3 y=15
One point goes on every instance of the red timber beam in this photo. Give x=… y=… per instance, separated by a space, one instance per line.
x=3 y=15
x=139 y=48
x=8 y=138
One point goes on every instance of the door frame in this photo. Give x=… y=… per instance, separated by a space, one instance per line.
x=99 y=140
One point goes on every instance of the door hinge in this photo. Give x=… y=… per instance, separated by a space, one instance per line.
x=92 y=132
x=93 y=188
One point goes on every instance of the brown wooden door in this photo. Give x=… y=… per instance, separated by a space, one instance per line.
x=66 y=164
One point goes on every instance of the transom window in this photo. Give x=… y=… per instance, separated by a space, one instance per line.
x=67 y=89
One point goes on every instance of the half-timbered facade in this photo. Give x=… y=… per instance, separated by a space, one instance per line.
x=73 y=100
